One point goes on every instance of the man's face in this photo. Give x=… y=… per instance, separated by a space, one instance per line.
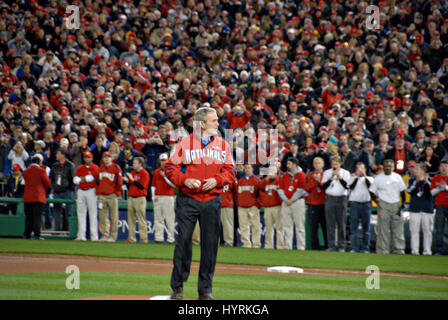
x=291 y=166
x=136 y=165
x=335 y=165
x=107 y=161
x=211 y=125
x=444 y=169
x=388 y=167
x=248 y=170
x=318 y=164
x=88 y=160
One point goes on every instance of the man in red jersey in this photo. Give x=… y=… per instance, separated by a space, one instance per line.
x=109 y=189
x=248 y=208
x=439 y=190
x=36 y=184
x=85 y=178
x=163 y=199
x=200 y=166
x=227 y=213
x=138 y=181
x=316 y=203
x=271 y=202
x=293 y=207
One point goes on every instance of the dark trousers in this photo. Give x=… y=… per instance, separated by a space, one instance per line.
x=188 y=211
x=316 y=216
x=336 y=218
x=440 y=218
x=62 y=211
x=33 y=214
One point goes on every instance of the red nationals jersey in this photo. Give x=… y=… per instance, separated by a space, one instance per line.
x=83 y=171
x=227 y=195
x=110 y=180
x=268 y=192
x=247 y=191
x=139 y=142
x=289 y=184
x=316 y=192
x=441 y=199
x=162 y=188
x=36 y=184
x=191 y=159
x=141 y=177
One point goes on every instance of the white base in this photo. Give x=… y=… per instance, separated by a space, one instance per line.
x=285 y=269
x=160 y=298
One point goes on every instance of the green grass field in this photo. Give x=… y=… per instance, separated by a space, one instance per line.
x=228 y=286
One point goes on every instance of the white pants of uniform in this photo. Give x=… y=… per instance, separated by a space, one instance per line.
x=86 y=200
x=294 y=214
x=425 y=220
x=247 y=218
x=273 y=216
x=227 y=225
x=164 y=215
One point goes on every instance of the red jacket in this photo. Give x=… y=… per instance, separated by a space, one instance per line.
x=441 y=199
x=142 y=177
x=110 y=180
x=248 y=191
x=268 y=192
x=36 y=184
x=228 y=193
x=289 y=184
x=83 y=171
x=238 y=121
x=316 y=192
x=162 y=188
x=191 y=159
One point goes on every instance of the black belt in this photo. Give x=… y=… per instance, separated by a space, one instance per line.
x=86 y=189
x=360 y=202
x=137 y=197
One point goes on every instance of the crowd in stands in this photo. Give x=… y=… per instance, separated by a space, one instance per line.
x=129 y=80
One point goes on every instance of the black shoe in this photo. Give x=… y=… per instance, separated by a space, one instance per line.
x=206 y=296
x=177 y=294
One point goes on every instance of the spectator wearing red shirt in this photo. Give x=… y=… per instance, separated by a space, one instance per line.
x=138 y=181
x=439 y=190
x=238 y=117
x=248 y=208
x=271 y=202
x=316 y=203
x=331 y=95
x=85 y=178
x=163 y=199
x=293 y=207
x=227 y=213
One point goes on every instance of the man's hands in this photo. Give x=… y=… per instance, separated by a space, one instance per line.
x=209 y=184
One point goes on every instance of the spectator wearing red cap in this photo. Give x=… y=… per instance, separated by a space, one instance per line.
x=110 y=182
x=162 y=192
x=85 y=178
x=138 y=181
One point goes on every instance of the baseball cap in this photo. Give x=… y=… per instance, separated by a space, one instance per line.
x=41 y=142
x=88 y=154
x=163 y=157
x=16 y=167
x=107 y=154
x=412 y=164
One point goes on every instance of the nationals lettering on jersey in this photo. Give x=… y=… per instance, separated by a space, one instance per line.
x=246 y=188
x=108 y=175
x=195 y=154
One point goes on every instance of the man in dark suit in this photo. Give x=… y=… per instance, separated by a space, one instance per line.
x=34 y=198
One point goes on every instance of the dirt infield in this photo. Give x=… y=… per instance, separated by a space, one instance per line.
x=36 y=263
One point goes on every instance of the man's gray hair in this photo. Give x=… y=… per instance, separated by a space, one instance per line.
x=201 y=114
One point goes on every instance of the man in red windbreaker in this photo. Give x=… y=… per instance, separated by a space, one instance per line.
x=227 y=213
x=316 y=203
x=200 y=166
x=439 y=190
x=36 y=184
x=293 y=207
x=163 y=199
x=248 y=208
x=138 y=181
x=85 y=178
x=110 y=182
x=271 y=202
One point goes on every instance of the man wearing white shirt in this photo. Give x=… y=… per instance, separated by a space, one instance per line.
x=335 y=182
x=389 y=189
x=360 y=208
